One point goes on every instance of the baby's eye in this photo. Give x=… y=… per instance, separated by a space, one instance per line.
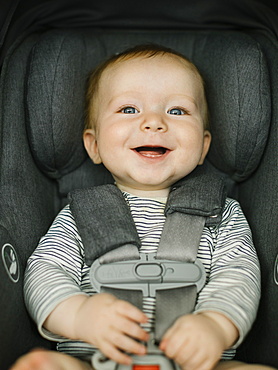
x=177 y=111
x=129 y=110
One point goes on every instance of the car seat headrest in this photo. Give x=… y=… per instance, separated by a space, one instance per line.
x=239 y=95
x=232 y=64
x=55 y=102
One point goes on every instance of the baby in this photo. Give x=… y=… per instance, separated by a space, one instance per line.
x=147 y=122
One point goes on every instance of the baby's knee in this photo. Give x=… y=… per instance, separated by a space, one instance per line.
x=36 y=359
x=42 y=359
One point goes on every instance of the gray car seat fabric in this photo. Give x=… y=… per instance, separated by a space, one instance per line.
x=42 y=157
x=17 y=329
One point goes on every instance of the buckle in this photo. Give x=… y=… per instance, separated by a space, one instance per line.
x=147 y=274
x=153 y=360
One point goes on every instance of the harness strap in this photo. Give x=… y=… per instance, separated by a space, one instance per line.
x=181 y=237
x=104 y=221
x=193 y=202
x=171 y=304
x=185 y=239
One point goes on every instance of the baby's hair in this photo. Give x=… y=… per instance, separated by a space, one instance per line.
x=143 y=51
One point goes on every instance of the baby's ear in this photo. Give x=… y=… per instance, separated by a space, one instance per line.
x=91 y=146
x=206 y=145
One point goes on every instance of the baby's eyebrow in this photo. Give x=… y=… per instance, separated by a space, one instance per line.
x=120 y=101
x=123 y=98
x=182 y=97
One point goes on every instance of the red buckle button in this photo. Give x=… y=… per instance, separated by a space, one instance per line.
x=145 y=367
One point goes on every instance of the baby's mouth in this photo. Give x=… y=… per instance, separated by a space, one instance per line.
x=151 y=151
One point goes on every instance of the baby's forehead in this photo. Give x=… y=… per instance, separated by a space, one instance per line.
x=163 y=60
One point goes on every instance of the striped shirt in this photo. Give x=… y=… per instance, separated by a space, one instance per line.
x=56 y=270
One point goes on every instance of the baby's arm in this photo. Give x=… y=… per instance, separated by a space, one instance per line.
x=197 y=341
x=102 y=320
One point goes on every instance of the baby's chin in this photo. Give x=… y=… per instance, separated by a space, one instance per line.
x=147 y=191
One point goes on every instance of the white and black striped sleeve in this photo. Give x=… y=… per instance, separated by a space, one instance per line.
x=54 y=271
x=234 y=283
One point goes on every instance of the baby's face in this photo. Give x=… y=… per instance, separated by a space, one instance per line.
x=149 y=131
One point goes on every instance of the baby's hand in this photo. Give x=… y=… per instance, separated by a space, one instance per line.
x=113 y=326
x=196 y=342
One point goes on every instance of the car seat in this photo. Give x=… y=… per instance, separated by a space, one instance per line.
x=42 y=158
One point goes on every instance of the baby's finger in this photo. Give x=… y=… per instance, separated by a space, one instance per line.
x=115 y=354
x=170 y=333
x=130 y=345
x=175 y=348
x=133 y=313
x=120 y=345
x=131 y=329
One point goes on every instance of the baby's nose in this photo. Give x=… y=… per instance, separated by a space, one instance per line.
x=154 y=122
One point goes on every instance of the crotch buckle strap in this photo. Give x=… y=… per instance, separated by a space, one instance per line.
x=148 y=274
